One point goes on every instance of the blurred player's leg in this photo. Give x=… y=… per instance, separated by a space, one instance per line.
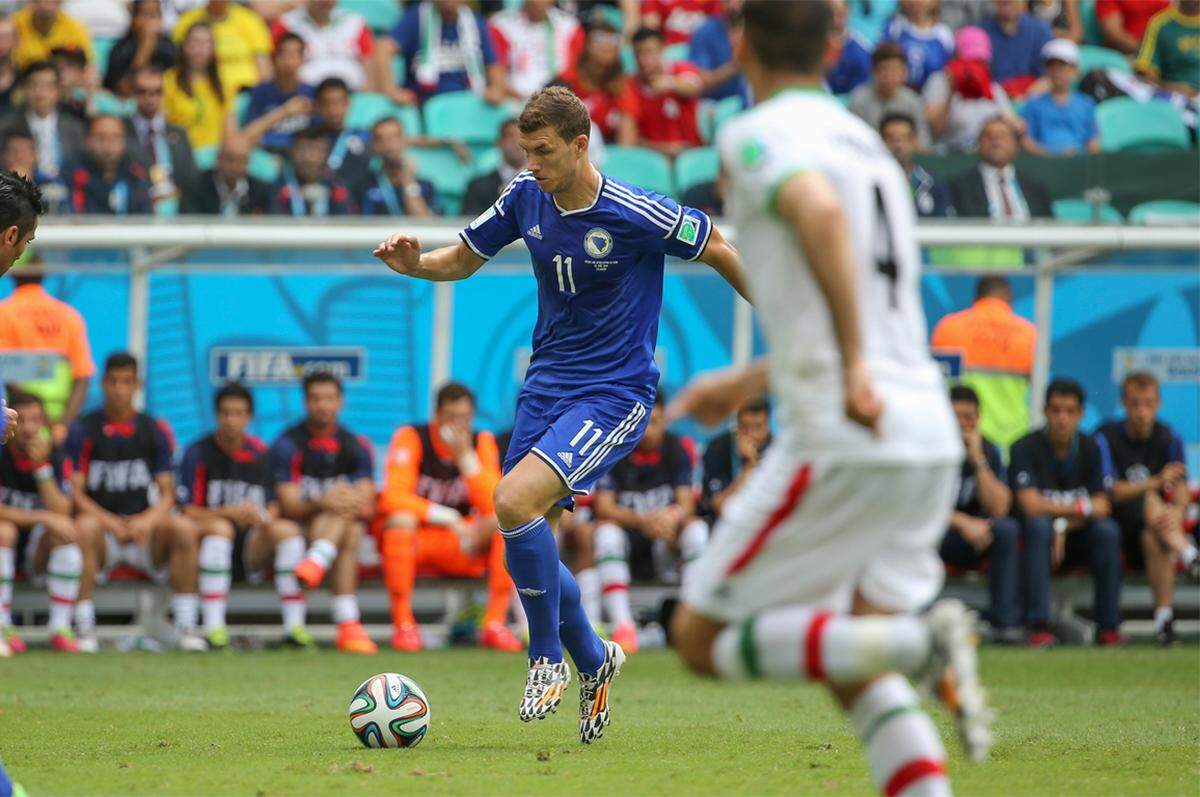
x=8 y=570
x=689 y=546
x=94 y=545
x=215 y=564
x=351 y=636
x=612 y=564
x=280 y=546
x=60 y=559
x=176 y=543
x=325 y=533
x=495 y=632
x=398 y=549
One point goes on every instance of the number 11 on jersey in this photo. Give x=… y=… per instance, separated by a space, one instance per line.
x=562 y=264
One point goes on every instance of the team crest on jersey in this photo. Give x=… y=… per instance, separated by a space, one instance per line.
x=484 y=216
x=753 y=153
x=598 y=242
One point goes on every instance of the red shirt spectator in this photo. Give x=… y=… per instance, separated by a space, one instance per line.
x=535 y=43
x=599 y=80
x=677 y=20
x=337 y=43
x=1123 y=22
x=667 y=97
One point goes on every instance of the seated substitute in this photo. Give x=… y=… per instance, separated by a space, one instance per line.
x=730 y=457
x=1150 y=495
x=35 y=511
x=646 y=521
x=124 y=490
x=324 y=483
x=227 y=487
x=1060 y=479
x=980 y=527
x=438 y=514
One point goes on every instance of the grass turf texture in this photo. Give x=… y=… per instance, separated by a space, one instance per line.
x=1074 y=721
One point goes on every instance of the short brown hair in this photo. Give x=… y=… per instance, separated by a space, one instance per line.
x=557 y=107
x=888 y=51
x=788 y=37
x=1135 y=379
x=453 y=391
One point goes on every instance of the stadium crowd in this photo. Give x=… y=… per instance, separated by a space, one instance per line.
x=310 y=108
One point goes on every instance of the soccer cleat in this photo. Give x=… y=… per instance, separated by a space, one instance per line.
x=497 y=636
x=300 y=639
x=1042 y=638
x=1165 y=634
x=544 y=687
x=406 y=638
x=87 y=642
x=353 y=638
x=594 y=714
x=218 y=638
x=191 y=642
x=310 y=572
x=1109 y=639
x=1193 y=569
x=626 y=636
x=64 y=641
x=15 y=643
x=953 y=675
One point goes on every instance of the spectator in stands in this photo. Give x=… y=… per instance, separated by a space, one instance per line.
x=307 y=186
x=534 y=43
x=667 y=97
x=42 y=28
x=395 y=189
x=1063 y=16
x=285 y=90
x=144 y=44
x=598 y=78
x=1060 y=478
x=58 y=136
x=324 y=483
x=1123 y=22
x=338 y=43
x=732 y=456
x=711 y=51
x=852 y=65
x=1150 y=495
x=997 y=348
x=349 y=150
x=438 y=515
x=72 y=69
x=228 y=189
x=109 y=180
x=980 y=527
x=1017 y=40
x=483 y=190
x=1062 y=121
x=162 y=149
x=678 y=20
x=196 y=100
x=124 y=491
x=887 y=94
x=964 y=96
x=9 y=75
x=708 y=196
x=33 y=320
x=446 y=47
x=646 y=521
x=241 y=42
x=928 y=43
x=1170 y=51
x=997 y=189
x=931 y=194
x=20 y=156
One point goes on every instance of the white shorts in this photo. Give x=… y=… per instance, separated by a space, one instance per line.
x=813 y=532
x=136 y=555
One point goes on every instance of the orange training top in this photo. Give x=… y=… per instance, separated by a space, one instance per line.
x=417 y=478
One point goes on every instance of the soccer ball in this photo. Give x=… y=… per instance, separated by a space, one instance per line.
x=389 y=710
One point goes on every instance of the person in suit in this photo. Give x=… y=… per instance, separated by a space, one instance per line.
x=58 y=136
x=930 y=192
x=996 y=189
x=162 y=149
x=228 y=189
x=483 y=190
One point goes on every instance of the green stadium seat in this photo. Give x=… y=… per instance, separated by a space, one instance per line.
x=410 y=117
x=721 y=111
x=676 y=52
x=485 y=161
x=440 y=166
x=366 y=108
x=642 y=167
x=694 y=166
x=1126 y=124
x=1166 y=212
x=1080 y=210
x=1092 y=57
x=264 y=165
x=206 y=157
x=381 y=15
x=463 y=115
x=102 y=46
x=1091 y=25
x=109 y=103
x=241 y=105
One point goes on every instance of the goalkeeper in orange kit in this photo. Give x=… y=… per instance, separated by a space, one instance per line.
x=437 y=515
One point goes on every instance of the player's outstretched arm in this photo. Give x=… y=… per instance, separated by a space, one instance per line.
x=713 y=397
x=724 y=259
x=810 y=205
x=402 y=254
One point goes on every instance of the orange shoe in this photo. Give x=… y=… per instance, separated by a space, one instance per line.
x=310 y=572
x=352 y=638
x=497 y=636
x=625 y=635
x=406 y=638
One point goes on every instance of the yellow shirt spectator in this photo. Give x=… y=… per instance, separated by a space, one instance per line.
x=63 y=33
x=202 y=114
x=241 y=39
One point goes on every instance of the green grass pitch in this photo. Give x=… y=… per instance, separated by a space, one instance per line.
x=1072 y=721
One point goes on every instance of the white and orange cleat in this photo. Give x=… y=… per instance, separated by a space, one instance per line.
x=594 y=712
x=544 y=687
x=952 y=676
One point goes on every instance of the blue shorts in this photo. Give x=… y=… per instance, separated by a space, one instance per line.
x=581 y=437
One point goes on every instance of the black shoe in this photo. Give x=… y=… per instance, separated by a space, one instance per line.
x=1165 y=634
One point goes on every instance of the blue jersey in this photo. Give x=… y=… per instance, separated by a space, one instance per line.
x=599 y=271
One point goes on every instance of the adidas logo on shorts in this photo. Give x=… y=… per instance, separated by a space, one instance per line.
x=567 y=457
x=535 y=232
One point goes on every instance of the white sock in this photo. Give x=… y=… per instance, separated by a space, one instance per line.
x=7 y=572
x=288 y=554
x=344 y=609
x=612 y=563
x=62 y=583
x=692 y=541
x=589 y=592
x=85 y=617
x=185 y=608
x=216 y=559
x=323 y=552
x=1188 y=555
x=904 y=752
x=1162 y=616
x=796 y=642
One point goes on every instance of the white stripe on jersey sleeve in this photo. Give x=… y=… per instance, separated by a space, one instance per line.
x=660 y=210
x=522 y=177
x=637 y=209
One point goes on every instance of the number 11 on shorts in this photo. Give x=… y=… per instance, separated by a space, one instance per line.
x=596 y=432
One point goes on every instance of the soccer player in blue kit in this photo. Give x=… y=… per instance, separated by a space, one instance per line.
x=597 y=246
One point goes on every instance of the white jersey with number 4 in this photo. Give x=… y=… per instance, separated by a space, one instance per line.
x=809 y=131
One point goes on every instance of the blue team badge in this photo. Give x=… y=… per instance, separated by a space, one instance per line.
x=597 y=242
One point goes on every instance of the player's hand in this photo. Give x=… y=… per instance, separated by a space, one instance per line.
x=973 y=442
x=10 y=423
x=298 y=106
x=401 y=253
x=747 y=450
x=61 y=525
x=1173 y=473
x=862 y=405
x=977 y=532
x=246 y=515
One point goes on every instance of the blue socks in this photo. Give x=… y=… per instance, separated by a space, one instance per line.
x=550 y=596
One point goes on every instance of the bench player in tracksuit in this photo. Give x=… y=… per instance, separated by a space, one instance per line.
x=227 y=486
